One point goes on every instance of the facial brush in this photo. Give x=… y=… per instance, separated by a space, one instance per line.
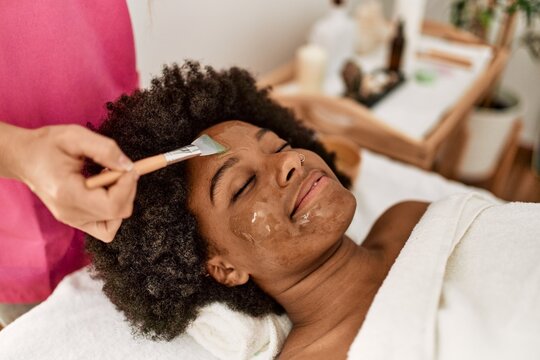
x=202 y=146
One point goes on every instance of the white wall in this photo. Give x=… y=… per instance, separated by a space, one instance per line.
x=261 y=34
x=255 y=34
x=523 y=76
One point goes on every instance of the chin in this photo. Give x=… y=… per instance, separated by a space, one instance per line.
x=328 y=232
x=330 y=216
x=346 y=206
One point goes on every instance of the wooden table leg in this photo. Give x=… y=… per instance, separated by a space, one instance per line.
x=451 y=152
x=500 y=177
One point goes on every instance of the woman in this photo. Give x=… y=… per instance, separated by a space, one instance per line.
x=59 y=63
x=279 y=219
x=260 y=227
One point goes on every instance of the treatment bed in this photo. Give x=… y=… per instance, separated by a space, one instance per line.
x=78 y=322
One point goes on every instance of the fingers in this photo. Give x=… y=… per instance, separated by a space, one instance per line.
x=57 y=181
x=91 y=210
x=121 y=195
x=112 y=206
x=80 y=141
x=102 y=230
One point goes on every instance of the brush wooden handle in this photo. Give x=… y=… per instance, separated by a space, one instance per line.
x=142 y=167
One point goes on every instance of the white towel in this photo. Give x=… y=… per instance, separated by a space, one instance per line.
x=490 y=301
x=230 y=335
x=465 y=286
x=78 y=322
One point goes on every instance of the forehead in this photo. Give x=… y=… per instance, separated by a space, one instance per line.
x=231 y=133
x=235 y=135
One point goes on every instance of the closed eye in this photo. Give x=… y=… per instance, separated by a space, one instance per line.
x=283 y=147
x=252 y=178
x=244 y=187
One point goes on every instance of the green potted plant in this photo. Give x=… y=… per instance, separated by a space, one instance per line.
x=494 y=118
x=480 y=16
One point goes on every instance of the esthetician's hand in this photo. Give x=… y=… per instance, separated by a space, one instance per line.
x=49 y=160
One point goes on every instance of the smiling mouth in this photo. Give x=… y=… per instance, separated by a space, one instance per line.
x=309 y=184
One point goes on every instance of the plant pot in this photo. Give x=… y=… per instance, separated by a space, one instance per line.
x=489 y=129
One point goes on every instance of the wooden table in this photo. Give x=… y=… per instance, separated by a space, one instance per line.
x=359 y=124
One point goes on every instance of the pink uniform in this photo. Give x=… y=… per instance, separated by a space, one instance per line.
x=60 y=62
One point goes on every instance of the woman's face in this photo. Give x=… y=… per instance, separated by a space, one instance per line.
x=266 y=213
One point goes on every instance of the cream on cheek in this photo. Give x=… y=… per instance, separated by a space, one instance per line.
x=266 y=224
x=326 y=215
x=261 y=224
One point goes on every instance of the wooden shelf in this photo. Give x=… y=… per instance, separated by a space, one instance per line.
x=359 y=124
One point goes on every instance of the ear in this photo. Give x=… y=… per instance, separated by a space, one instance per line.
x=225 y=273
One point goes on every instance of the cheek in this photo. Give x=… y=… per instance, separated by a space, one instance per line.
x=277 y=243
x=261 y=225
x=321 y=227
x=330 y=216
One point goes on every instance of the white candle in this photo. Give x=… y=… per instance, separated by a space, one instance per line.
x=311 y=63
x=412 y=13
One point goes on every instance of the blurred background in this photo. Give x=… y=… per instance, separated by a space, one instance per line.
x=263 y=35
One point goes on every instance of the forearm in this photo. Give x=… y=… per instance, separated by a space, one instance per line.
x=12 y=140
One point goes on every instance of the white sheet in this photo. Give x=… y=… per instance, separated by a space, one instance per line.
x=78 y=321
x=465 y=286
x=382 y=183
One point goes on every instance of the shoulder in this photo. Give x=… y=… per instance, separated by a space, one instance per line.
x=395 y=225
x=325 y=348
x=401 y=216
x=407 y=209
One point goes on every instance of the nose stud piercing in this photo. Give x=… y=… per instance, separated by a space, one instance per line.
x=302 y=158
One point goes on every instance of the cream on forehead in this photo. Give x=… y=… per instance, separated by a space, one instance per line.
x=233 y=131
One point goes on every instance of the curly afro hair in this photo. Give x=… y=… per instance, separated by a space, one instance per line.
x=154 y=270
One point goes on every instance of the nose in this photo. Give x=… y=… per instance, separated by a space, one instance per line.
x=289 y=166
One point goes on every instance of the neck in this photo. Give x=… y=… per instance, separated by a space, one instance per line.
x=344 y=284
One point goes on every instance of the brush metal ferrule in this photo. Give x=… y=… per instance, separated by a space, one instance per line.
x=187 y=152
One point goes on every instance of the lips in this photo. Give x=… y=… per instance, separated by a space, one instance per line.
x=309 y=183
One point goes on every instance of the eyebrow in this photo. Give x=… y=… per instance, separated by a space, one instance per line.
x=219 y=175
x=229 y=164
x=261 y=133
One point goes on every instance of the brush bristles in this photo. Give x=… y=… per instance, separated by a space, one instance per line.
x=208 y=146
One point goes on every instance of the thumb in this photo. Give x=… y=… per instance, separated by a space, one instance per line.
x=101 y=149
x=102 y=230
